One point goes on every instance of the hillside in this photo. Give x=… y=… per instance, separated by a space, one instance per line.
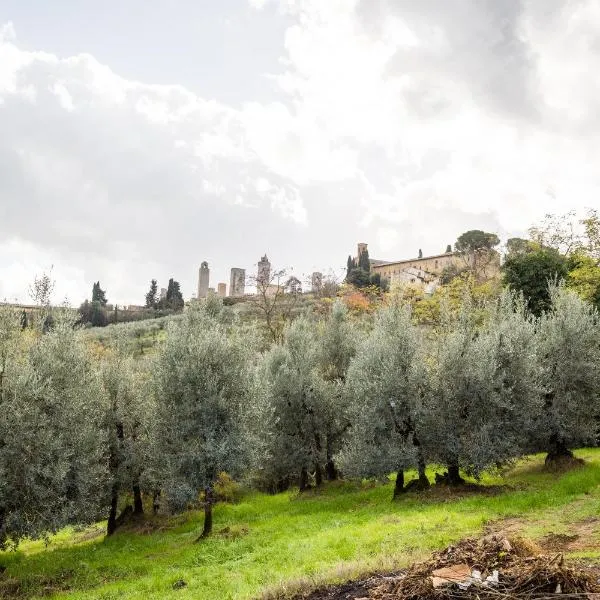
x=265 y=545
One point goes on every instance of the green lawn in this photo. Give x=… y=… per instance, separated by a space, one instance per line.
x=277 y=542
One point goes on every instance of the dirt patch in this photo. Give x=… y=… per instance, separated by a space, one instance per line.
x=451 y=493
x=582 y=536
x=487 y=568
x=558 y=542
x=353 y=590
x=507 y=528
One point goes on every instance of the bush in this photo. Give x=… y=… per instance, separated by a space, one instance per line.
x=227 y=489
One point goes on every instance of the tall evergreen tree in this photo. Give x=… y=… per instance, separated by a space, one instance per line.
x=152 y=295
x=350 y=264
x=98 y=294
x=363 y=261
x=174 y=297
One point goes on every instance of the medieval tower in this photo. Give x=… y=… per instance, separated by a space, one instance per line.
x=263 y=276
x=203 y=278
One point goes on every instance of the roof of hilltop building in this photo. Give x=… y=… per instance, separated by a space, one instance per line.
x=378 y=263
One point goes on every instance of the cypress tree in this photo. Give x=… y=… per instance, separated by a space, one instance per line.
x=152 y=295
x=98 y=294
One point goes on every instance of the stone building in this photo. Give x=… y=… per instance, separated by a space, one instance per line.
x=425 y=271
x=222 y=290
x=203 y=280
x=237 y=282
x=263 y=275
x=419 y=271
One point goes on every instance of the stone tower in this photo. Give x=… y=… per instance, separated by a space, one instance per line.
x=222 y=290
x=237 y=283
x=203 y=277
x=263 y=275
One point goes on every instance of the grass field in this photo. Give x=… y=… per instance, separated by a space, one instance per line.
x=266 y=543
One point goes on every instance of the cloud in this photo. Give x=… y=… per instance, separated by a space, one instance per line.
x=395 y=122
x=464 y=104
x=101 y=172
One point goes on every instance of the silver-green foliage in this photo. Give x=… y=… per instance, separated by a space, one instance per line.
x=385 y=388
x=201 y=381
x=569 y=354
x=52 y=470
x=290 y=397
x=337 y=344
x=483 y=386
x=129 y=416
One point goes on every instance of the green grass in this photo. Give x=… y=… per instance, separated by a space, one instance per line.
x=273 y=542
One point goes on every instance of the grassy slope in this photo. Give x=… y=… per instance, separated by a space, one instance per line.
x=342 y=531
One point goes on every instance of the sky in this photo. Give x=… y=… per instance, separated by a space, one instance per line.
x=139 y=138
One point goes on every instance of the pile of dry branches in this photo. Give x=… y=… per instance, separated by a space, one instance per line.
x=521 y=572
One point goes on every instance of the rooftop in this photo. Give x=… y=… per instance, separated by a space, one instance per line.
x=377 y=263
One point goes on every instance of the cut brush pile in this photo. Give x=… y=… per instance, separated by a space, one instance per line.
x=488 y=568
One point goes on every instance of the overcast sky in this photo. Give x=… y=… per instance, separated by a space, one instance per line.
x=141 y=137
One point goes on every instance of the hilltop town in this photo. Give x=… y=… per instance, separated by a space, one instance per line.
x=425 y=272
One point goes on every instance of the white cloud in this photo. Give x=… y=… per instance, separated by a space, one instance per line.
x=94 y=166
x=397 y=122
x=7 y=32
x=477 y=106
x=258 y=4
x=285 y=200
x=64 y=98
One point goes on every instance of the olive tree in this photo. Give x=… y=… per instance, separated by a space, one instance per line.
x=128 y=419
x=484 y=386
x=200 y=382
x=290 y=398
x=386 y=387
x=10 y=342
x=337 y=344
x=52 y=470
x=569 y=354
